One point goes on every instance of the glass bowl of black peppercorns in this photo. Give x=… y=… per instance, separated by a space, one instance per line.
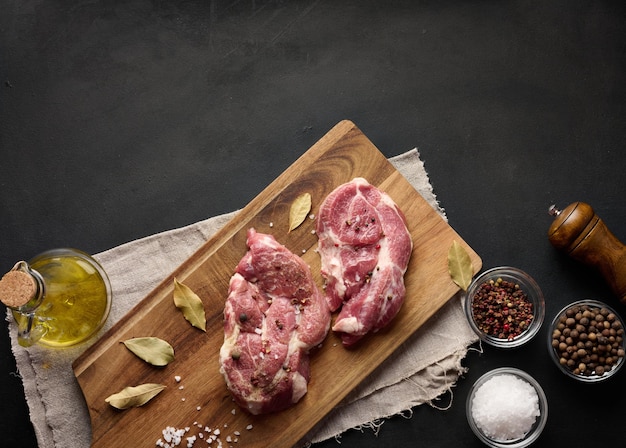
x=586 y=341
x=505 y=307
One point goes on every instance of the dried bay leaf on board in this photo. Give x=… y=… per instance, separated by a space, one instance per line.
x=134 y=396
x=460 y=266
x=190 y=304
x=153 y=350
x=299 y=210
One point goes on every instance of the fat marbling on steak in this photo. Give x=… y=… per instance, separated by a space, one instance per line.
x=365 y=247
x=273 y=316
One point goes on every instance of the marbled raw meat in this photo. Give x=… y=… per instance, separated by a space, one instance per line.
x=273 y=316
x=365 y=247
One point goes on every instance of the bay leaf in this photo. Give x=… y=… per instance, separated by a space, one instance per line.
x=460 y=266
x=153 y=350
x=299 y=210
x=134 y=396
x=190 y=304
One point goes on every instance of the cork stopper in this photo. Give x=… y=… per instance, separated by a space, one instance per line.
x=17 y=288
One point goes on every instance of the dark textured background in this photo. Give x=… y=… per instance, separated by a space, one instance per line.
x=123 y=118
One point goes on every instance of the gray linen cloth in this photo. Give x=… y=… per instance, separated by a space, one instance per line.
x=425 y=367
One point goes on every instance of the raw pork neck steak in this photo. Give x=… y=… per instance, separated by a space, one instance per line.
x=365 y=247
x=274 y=315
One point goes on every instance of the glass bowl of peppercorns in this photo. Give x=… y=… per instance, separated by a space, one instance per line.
x=505 y=307
x=586 y=341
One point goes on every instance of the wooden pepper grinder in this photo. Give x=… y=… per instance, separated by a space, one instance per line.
x=581 y=234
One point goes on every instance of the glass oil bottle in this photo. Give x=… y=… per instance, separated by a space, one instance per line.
x=59 y=298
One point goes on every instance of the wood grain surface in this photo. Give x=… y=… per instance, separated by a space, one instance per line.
x=107 y=367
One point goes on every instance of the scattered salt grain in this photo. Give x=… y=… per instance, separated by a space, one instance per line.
x=304 y=251
x=311 y=216
x=234 y=411
x=172 y=436
x=249 y=427
x=198 y=408
x=271 y=224
x=505 y=407
x=181 y=387
x=177 y=379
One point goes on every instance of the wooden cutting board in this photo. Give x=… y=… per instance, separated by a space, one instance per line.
x=107 y=366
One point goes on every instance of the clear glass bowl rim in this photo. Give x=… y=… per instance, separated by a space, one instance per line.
x=537 y=427
x=531 y=288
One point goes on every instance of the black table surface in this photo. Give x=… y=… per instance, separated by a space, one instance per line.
x=124 y=118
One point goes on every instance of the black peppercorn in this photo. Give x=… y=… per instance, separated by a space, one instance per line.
x=588 y=340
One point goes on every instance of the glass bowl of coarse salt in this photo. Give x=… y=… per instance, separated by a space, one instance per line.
x=507 y=408
x=505 y=307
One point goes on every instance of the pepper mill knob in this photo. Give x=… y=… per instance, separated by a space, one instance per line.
x=581 y=234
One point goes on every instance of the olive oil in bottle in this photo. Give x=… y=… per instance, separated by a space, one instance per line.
x=68 y=301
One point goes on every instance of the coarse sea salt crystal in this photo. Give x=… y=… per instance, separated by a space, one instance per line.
x=505 y=407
